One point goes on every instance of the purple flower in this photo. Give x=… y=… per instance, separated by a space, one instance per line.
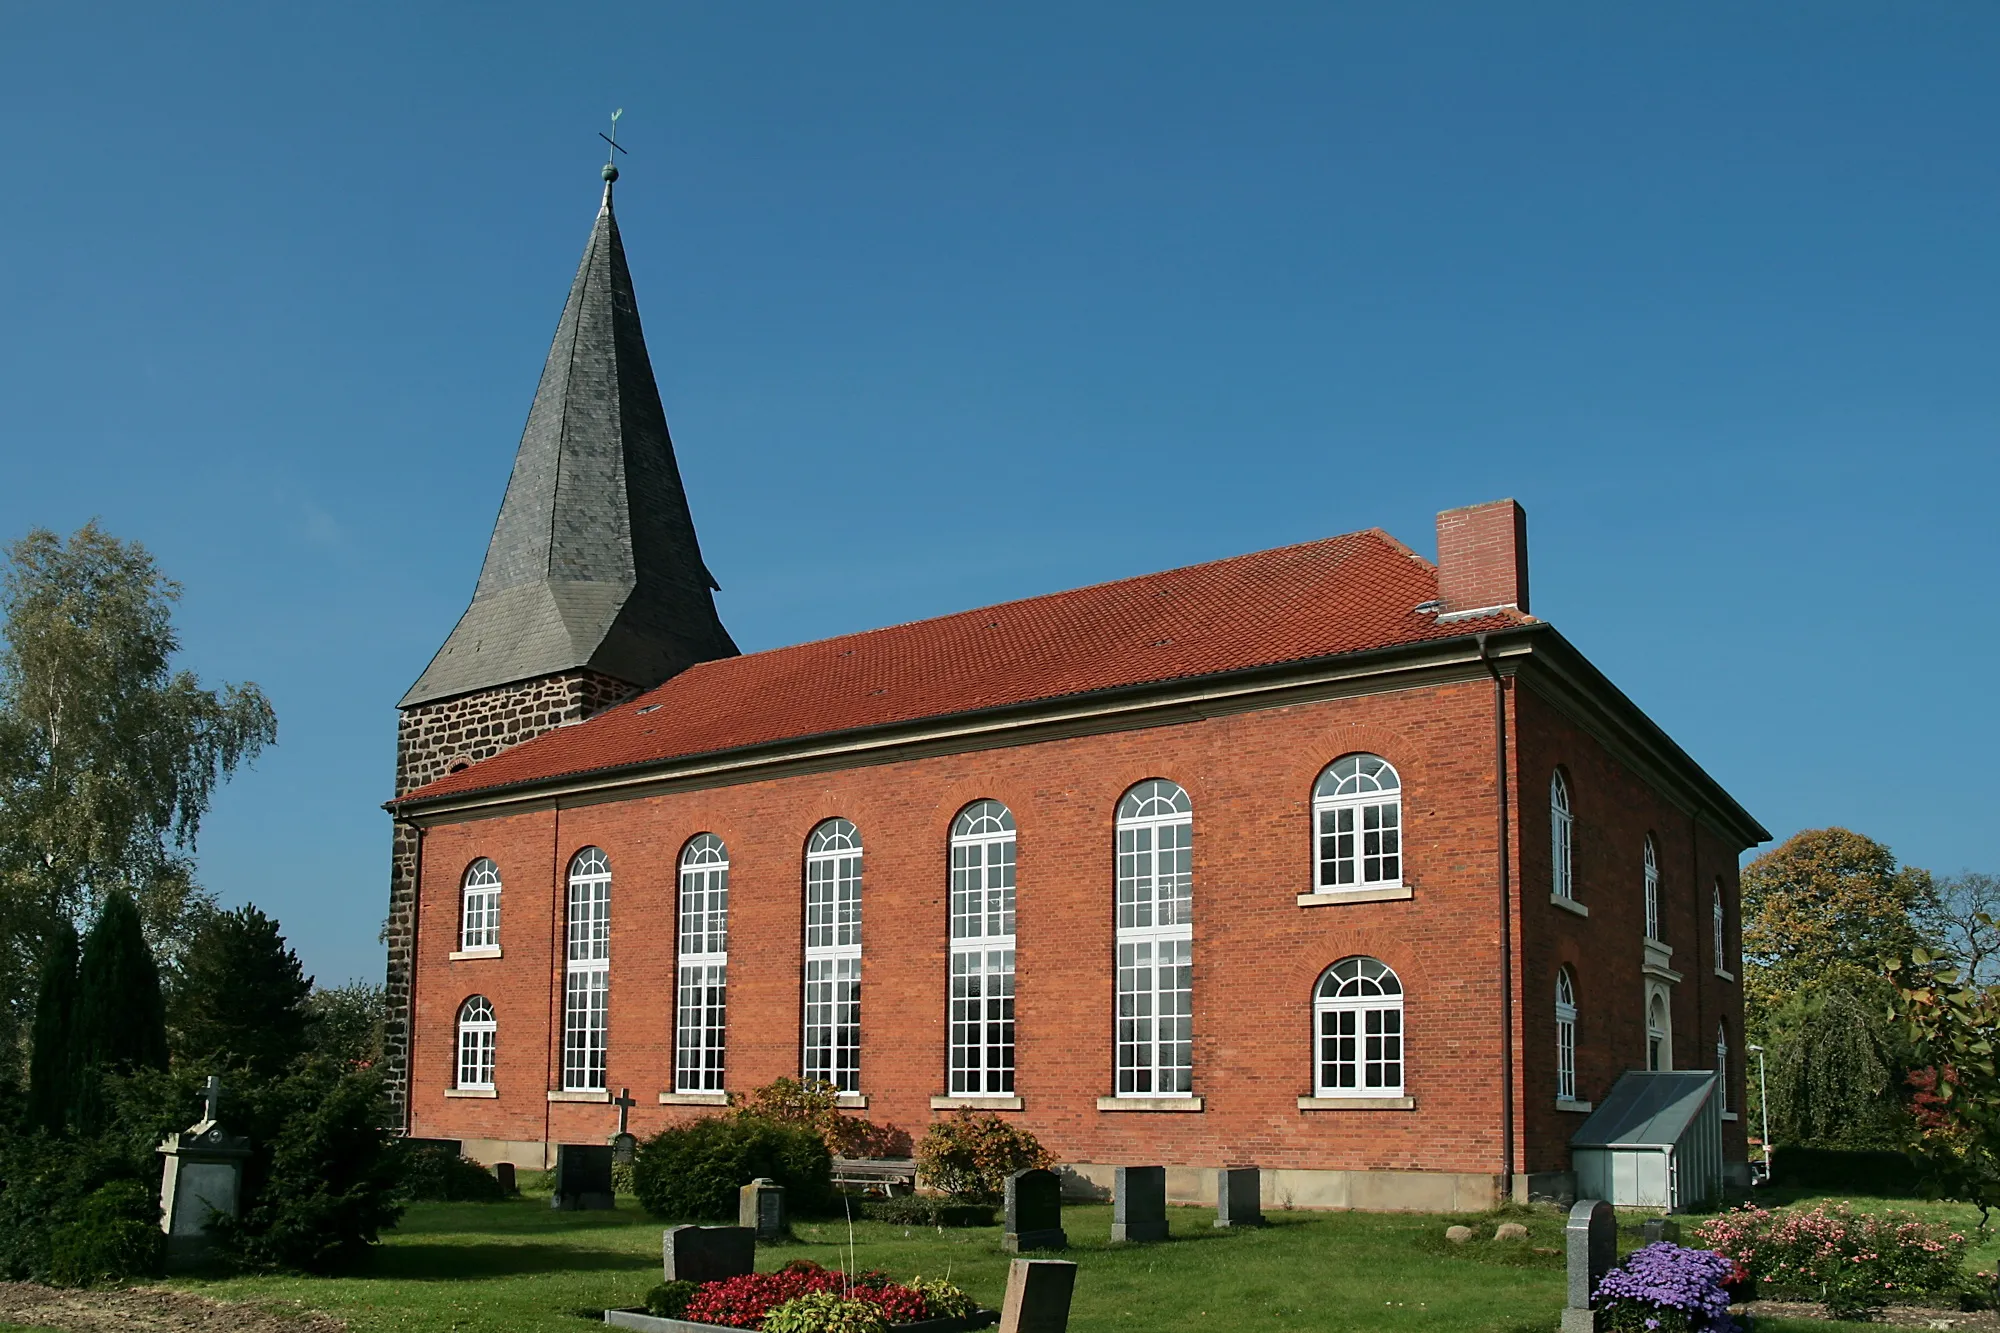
x=1668 y=1287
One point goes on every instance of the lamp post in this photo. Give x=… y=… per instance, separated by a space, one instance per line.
x=1764 y=1106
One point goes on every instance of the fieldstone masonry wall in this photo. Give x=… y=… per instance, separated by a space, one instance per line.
x=439 y=738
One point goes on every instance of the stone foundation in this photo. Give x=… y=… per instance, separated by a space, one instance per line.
x=1362 y=1191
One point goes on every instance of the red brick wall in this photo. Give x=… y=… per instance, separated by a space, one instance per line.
x=1257 y=954
x=1483 y=556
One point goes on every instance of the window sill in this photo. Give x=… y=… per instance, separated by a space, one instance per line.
x=1149 y=1103
x=854 y=1100
x=1357 y=1103
x=1386 y=894
x=1726 y=976
x=472 y=1092
x=1729 y=1115
x=976 y=1103
x=1579 y=1108
x=466 y=955
x=1569 y=904
x=580 y=1095
x=694 y=1099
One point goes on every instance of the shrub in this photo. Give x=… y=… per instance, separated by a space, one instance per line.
x=969 y=1156
x=114 y=1237
x=826 y=1312
x=1853 y=1261
x=925 y=1210
x=50 y=1185
x=694 y=1170
x=815 y=1105
x=438 y=1175
x=1666 y=1288
x=942 y=1300
x=1883 y=1174
x=669 y=1299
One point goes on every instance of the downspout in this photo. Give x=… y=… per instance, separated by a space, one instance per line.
x=410 y=999
x=558 y=974
x=1506 y=924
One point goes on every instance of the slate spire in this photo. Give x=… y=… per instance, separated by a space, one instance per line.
x=594 y=561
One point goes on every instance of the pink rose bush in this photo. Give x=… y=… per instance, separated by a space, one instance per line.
x=1854 y=1261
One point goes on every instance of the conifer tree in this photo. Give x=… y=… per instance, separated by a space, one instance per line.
x=241 y=996
x=49 y=1065
x=120 y=1016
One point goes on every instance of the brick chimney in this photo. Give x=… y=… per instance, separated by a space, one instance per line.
x=1483 y=557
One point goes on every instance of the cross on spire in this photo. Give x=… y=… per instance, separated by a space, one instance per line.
x=611 y=154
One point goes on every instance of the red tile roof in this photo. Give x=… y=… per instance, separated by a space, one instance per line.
x=1341 y=595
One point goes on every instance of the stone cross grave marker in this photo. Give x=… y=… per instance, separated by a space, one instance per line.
x=1038 y=1293
x=708 y=1254
x=624 y=1145
x=760 y=1206
x=583 y=1177
x=1139 y=1203
x=1034 y=1212
x=1592 y=1236
x=1236 y=1197
x=201 y=1177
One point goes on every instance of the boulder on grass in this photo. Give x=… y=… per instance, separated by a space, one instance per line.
x=1510 y=1231
x=1458 y=1235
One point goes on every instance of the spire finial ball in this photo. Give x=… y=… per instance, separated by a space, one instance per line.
x=610 y=173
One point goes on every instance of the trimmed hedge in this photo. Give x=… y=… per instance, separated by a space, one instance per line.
x=439 y=1175
x=693 y=1171
x=1883 y=1174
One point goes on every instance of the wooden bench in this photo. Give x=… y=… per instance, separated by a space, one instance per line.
x=870 y=1174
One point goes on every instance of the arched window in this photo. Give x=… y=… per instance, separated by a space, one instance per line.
x=833 y=956
x=1722 y=1063
x=1565 y=1036
x=475 y=1043
x=1358 y=812
x=1358 y=1015
x=1652 y=890
x=1561 y=840
x=1659 y=1037
x=1721 y=938
x=982 y=951
x=479 y=915
x=1155 y=1018
x=587 y=994
x=704 y=966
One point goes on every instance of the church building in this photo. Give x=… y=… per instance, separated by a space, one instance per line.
x=1329 y=859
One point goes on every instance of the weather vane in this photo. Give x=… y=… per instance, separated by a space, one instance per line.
x=611 y=157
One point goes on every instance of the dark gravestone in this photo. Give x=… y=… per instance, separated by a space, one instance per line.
x=1038 y=1293
x=624 y=1149
x=707 y=1254
x=504 y=1173
x=1236 y=1197
x=760 y=1206
x=1034 y=1212
x=583 y=1177
x=1592 y=1236
x=1139 y=1203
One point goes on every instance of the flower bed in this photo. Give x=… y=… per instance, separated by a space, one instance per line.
x=1853 y=1261
x=1666 y=1288
x=803 y=1297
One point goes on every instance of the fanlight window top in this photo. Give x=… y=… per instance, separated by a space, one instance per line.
x=1559 y=793
x=482 y=874
x=1155 y=798
x=835 y=835
x=705 y=849
x=1355 y=978
x=1357 y=775
x=1565 y=990
x=983 y=819
x=478 y=1009
x=1652 y=860
x=589 y=863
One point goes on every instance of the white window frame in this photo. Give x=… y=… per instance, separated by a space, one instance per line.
x=980 y=1012
x=1357 y=825
x=1565 y=1036
x=1562 y=839
x=1358 y=1031
x=479 y=907
x=831 y=1044
x=1721 y=932
x=1659 y=1033
x=1722 y=1062
x=587 y=973
x=701 y=1013
x=1652 y=873
x=1153 y=1024
x=477 y=1038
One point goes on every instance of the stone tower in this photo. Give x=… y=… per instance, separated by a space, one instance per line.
x=593 y=587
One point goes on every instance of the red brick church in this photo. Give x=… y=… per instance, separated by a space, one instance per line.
x=1328 y=859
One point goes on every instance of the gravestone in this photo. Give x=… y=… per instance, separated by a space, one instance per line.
x=1658 y=1229
x=202 y=1177
x=1034 y=1212
x=1038 y=1293
x=1592 y=1237
x=583 y=1177
x=504 y=1173
x=624 y=1149
x=707 y=1254
x=1139 y=1203
x=760 y=1206
x=1236 y=1197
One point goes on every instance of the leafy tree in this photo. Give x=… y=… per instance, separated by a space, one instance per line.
x=1964 y=925
x=120 y=1016
x=239 y=999
x=1837 y=1066
x=1823 y=901
x=51 y=1086
x=347 y=1023
x=108 y=755
x=1951 y=1026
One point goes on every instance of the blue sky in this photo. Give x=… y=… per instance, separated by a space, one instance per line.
x=952 y=304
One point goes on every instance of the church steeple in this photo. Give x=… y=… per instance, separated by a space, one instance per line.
x=593 y=562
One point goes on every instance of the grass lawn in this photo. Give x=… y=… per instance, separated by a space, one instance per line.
x=521 y=1266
